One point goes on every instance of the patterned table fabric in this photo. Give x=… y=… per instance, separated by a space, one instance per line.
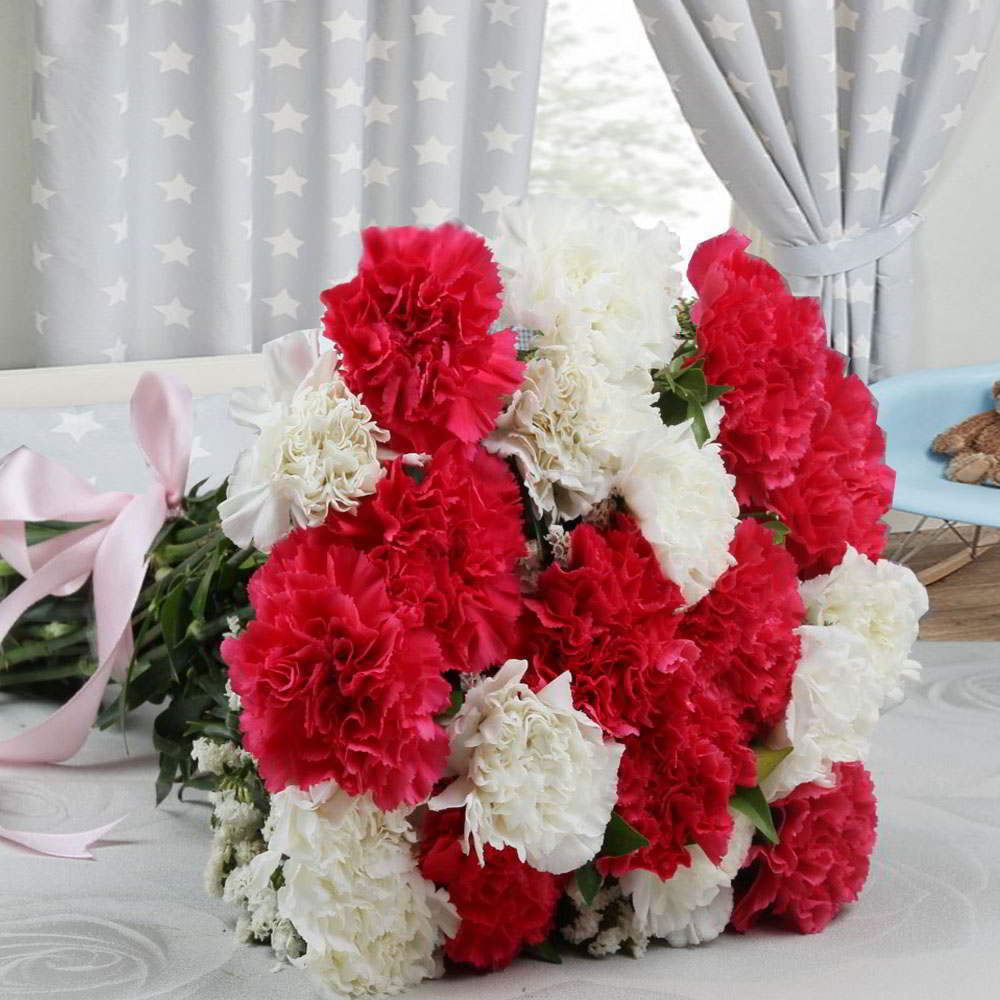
x=135 y=923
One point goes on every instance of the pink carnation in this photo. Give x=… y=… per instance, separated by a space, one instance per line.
x=770 y=346
x=842 y=487
x=503 y=904
x=337 y=681
x=609 y=618
x=744 y=629
x=448 y=545
x=413 y=328
x=821 y=861
x=676 y=779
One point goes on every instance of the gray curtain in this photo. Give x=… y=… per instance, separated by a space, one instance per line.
x=203 y=167
x=826 y=122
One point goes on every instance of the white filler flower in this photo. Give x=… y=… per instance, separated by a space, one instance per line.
x=880 y=601
x=566 y=428
x=371 y=923
x=694 y=905
x=837 y=692
x=533 y=772
x=589 y=279
x=682 y=498
x=316 y=450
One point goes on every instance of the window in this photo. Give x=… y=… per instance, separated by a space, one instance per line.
x=608 y=126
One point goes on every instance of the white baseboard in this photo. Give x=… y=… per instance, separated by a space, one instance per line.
x=80 y=385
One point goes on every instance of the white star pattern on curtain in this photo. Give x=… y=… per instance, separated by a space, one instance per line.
x=197 y=193
x=826 y=121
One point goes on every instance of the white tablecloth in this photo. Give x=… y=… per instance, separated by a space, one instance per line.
x=135 y=923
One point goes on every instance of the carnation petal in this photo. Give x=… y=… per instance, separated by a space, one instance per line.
x=535 y=774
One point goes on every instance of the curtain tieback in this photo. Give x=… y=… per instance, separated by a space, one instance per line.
x=846 y=254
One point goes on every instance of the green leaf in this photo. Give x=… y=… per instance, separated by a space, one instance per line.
x=204 y=589
x=714 y=392
x=545 y=951
x=693 y=382
x=174 y=616
x=699 y=427
x=779 y=530
x=753 y=805
x=673 y=409
x=212 y=729
x=457 y=698
x=768 y=760
x=589 y=881
x=165 y=779
x=621 y=839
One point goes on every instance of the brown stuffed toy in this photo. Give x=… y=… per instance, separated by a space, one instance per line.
x=974 y=446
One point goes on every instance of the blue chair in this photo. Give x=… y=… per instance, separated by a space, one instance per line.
x=912 y=410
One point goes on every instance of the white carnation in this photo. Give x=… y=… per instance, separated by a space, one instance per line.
x=316 y=450
x=370 y=922
x=566 y=429
x=880 y=601
x=590 y=280
x=694 y=905
x=533 y=772
x=837 y=692
x=682 y=498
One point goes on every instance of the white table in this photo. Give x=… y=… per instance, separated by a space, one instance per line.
x=135 y=923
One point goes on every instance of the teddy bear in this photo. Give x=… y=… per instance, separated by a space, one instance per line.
x=974 y=446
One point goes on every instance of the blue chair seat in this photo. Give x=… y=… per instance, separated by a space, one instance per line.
x=912 y=410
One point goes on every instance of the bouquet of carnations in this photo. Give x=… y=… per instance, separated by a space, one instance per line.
x=572 y=629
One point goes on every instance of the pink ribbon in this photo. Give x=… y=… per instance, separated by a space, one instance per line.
x=59 y=845
x=112 y=551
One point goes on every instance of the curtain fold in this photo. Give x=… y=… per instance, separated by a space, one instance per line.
x=826 y=121
x=203 y=169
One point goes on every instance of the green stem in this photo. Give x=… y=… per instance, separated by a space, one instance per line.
x=154 y=632
x=51 y=673
x=207 y=631
x=150 y=592
x=237 y=557
x=43 y=648
x=58 y=609
x=170 y=554
x=195 y=532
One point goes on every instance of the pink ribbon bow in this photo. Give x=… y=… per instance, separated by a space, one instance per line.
x=112 y=551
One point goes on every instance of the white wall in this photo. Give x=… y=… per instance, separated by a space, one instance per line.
x=958 y=246
x=16 y=323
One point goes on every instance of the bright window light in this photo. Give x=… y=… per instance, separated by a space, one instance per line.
x=609 y=128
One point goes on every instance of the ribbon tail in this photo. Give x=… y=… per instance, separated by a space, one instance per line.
x=28 y=560
x=59 y=845
x=70 y=565
x=62 y=734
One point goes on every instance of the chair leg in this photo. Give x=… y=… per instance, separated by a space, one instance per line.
x=901 y=547
x=922 y=544
x=945 y=567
